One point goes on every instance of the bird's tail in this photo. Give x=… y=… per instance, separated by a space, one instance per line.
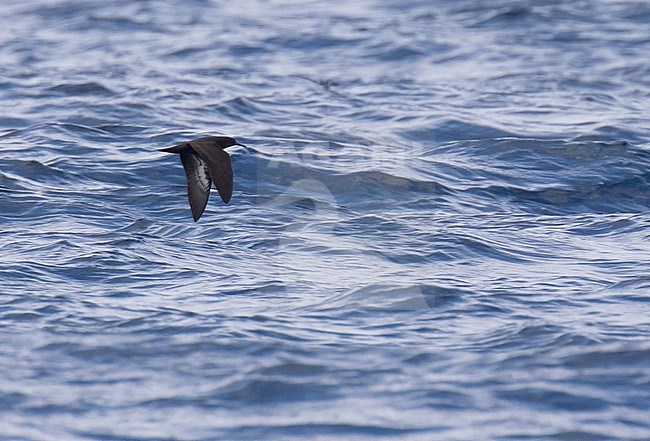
x=180 y=148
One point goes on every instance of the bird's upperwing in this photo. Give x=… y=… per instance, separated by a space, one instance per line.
x=198 y=182
x=218 y=162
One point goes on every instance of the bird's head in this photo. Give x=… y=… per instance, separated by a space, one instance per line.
x=225 y=141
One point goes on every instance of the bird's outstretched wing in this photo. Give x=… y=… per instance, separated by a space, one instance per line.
x=198 y=181
x=219 y=166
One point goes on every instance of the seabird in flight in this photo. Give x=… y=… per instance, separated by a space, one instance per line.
x=205 y=160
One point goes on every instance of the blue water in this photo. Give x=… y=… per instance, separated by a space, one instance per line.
x=440 y=229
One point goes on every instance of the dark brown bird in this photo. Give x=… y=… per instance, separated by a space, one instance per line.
x=205 y=161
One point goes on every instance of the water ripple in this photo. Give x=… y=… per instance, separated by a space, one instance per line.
x=438 y=229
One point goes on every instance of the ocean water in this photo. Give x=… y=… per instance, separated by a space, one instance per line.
x=440 y=228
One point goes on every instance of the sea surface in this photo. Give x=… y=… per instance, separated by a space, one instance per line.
x=439 y=230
